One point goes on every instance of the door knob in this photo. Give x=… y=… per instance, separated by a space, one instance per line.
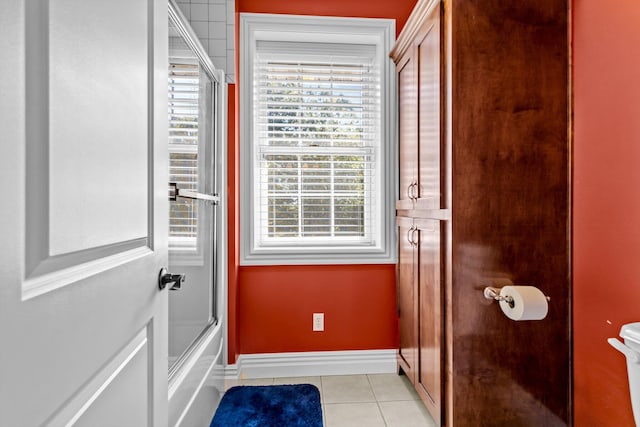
x=175 y=280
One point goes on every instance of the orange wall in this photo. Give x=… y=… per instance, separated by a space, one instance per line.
x=606 y=234
x=270 y=308
x=276 y=306
x=233 y=219
x=393 y=9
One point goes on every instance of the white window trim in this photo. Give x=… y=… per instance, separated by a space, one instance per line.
x=380 y=32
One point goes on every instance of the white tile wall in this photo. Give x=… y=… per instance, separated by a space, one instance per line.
x=231 y=34
x=217 y=30
x=218 y=12
x=200 y=12
x=219 y=62
x=214 y=23
x=230 y=10
x=216 y=48
x=200 y=27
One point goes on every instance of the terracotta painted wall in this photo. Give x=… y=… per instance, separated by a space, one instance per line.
x=234 y=221
x=270 y=308
x=276 y=305
x=398 y=9
x=606 y=204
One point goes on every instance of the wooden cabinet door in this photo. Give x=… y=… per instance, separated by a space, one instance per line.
x=430 y=312
x=429 y=137
x=407 y=299
x=408 y=143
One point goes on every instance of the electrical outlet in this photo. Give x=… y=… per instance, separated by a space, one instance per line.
x=318 y=322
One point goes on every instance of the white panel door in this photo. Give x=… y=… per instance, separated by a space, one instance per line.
x=83 y=212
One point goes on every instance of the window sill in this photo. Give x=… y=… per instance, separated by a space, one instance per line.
x=296 y=257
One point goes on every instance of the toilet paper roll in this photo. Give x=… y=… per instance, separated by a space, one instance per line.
x=529 y=303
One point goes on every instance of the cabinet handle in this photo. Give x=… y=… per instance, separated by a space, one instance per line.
x=413 y=189
x=409 y=235
x=410 y=191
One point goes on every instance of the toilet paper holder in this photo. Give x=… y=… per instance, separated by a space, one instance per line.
x=494 y=294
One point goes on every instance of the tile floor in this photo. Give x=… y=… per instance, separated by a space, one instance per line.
x=379 y=400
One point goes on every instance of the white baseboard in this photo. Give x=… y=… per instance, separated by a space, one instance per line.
x=231 y=372
x=317 y=363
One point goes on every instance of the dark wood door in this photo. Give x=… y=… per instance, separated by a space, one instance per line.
x=501 y=185
x=407 y=298
x=429 y=137
x=408 y=118
x=430 y=312
x=511 y=204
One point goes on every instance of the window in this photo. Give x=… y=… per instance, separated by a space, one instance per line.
x=184 y=88
x=318 y=145
x=191 y=138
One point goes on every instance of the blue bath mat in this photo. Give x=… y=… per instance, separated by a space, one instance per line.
x=270 y=406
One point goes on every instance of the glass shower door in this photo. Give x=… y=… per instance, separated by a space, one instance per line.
x=193 y=205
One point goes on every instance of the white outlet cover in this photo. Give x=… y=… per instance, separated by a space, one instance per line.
x=318 y=322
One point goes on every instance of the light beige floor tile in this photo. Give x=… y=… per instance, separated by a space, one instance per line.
x=347 y=389
x=410 y=413
x=353 y=415
x=316 y=381
x=390 y=387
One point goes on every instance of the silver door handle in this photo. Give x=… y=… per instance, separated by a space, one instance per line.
x=175 y=280
x=186 y=194
x=175 y=192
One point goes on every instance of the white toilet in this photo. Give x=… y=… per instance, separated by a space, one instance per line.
x=631 y=349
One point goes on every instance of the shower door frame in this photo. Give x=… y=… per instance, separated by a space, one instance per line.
x=200 y=368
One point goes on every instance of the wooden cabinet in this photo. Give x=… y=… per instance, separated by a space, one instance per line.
x=428 y=247
x=419 y=71
x=407 y=298
x=484 y=201
x=408 y=129
x=420 y=214
x=420 y=308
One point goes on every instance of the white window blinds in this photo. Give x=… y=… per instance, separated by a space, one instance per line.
x=184 y=88
x=317 y=144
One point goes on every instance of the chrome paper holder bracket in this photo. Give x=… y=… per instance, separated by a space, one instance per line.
x=494 y=294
